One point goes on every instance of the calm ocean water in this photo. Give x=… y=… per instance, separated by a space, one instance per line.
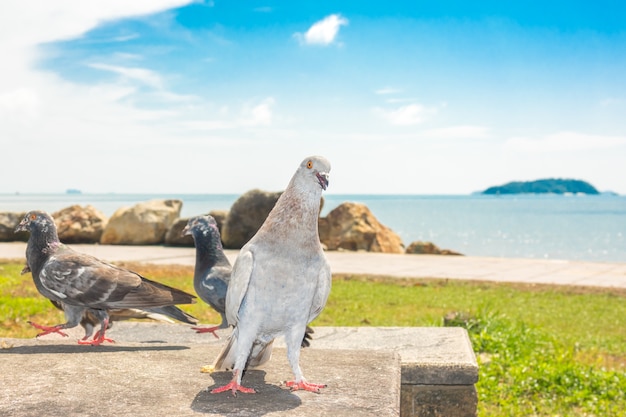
x=591 y=228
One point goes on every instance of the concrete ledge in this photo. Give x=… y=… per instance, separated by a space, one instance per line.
x=423 y=371
x=61 y=378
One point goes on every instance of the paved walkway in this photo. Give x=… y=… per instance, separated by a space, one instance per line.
x=538 y=271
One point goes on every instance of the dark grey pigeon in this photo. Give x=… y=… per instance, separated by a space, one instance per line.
x=213 y=269
x=84 y=284
x=280 y=281
x=89 y=322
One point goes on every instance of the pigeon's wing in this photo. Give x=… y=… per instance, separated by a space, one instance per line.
x=213 y=291
x=79 y=278
x=76 y=278
x=238 y=286
x=324 y=282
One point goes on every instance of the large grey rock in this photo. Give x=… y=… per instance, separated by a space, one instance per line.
x=145 y=223
x=246 y=216
x=352 y=226
x=76 y=224
x=8 y=223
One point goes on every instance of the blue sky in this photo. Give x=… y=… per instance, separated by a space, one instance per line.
x=416 y=97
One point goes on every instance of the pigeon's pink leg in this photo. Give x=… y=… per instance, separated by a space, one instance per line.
x=306 y=386
x=234 y=386
x=207 y=330
x=98 y=338
x=48 y=329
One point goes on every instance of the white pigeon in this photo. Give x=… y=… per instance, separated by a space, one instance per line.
x=280 y=281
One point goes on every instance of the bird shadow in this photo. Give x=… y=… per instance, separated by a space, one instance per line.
x=269 y=398
x=72 y=349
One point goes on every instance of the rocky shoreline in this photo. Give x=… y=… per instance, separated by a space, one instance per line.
x=349 y=226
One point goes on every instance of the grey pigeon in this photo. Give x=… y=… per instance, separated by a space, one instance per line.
x=89 y=322
x=212 y=270
x=280 y=281
x=83 y=283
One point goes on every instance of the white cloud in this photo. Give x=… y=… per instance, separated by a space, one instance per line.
x=564 y=141
x=260 y=114
x=459 y=132
x=21 y=105
x=145 y=76
x=387 y=90
x=408 y=115
x=324 y=31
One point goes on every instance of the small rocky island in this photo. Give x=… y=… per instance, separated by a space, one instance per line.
x=544 y=186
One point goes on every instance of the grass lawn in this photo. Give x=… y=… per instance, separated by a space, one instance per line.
x=542 y=350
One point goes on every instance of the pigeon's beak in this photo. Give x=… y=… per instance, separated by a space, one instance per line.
x=186 y=231
x=22 y=226
x=322 y=177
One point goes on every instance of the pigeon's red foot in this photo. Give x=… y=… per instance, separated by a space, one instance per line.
x=234 y=387
x=97 y=340
x=48 y=329
x=207 y=330
x=306 y=386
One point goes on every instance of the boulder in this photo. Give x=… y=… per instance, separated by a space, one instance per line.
x=428 y=248
x=352 y=226
x=8 y=222
x=76 y=224
x=145 y=223
x=246 y=216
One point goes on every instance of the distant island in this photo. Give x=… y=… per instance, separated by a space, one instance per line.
x=544 y=186
x=73 y=191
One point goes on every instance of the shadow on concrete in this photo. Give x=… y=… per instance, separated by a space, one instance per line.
x=269 y=398
x=65 y=348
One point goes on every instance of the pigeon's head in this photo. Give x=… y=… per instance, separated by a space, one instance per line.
x=36 y=221
x=316 y=168
x=204 y=225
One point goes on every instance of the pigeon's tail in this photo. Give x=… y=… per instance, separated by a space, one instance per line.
x=162 y=313
x=308 y=336
x=225 y=361
x=152 y=294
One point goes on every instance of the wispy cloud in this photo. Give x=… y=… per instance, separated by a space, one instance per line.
x=387 y=90
x=143 y=75
x=323 y=32
x=459 y=132
x=260 y=114
x=408 y=115
x=564 y=141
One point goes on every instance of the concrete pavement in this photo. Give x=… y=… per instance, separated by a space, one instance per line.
x=533 y=271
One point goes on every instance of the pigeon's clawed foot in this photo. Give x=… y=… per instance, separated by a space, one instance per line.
x=207 y=330
x=98 y=338
x=304 y=385
x=234 y=387
x=48 y=329
x=96 y=341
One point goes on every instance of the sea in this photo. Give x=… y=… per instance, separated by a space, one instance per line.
x=566 y=227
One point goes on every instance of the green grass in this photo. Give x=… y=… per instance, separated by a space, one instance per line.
x=542 y=350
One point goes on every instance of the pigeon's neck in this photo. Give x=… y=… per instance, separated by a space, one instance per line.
x=296 y=213
x=209 y=252
x=40 y=246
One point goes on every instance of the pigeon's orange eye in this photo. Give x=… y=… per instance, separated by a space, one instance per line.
x=309 y=164
x=33 y=216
